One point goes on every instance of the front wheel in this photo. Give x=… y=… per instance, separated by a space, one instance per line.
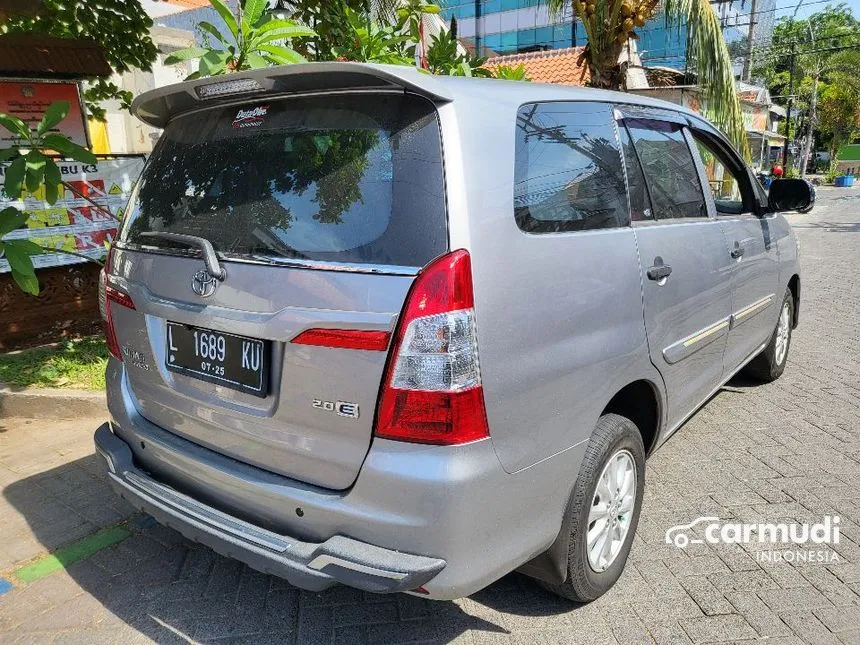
x=770 y=364
x=604 y=509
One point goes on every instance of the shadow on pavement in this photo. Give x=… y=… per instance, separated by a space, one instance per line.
x=832 y=227
x=169 y=589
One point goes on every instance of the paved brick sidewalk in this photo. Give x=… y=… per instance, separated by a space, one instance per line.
x=787 y=451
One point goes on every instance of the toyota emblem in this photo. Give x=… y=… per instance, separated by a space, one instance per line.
x=203 y=283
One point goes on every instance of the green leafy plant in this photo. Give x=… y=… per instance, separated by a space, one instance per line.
x=444 y=57
x=373 y=42
x=832 y=172
x=252 y=41
x=510 y=73
x=409 y=16
x=28 y=169
x=18 y=252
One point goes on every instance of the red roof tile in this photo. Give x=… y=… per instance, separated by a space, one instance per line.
x=560 y=66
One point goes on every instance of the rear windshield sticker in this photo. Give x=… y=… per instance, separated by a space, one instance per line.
x=250 y=118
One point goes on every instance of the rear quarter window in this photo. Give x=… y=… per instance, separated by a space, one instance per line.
x=354 y=179
x=568 y=173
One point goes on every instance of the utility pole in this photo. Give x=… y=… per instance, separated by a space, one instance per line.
x=790 y=104
x=479 y=36
x=812 y=116
x=747 y=70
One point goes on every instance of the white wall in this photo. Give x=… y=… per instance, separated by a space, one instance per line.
x=125 y=133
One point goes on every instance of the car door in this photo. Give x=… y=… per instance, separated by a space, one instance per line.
x=754 y=256
x=684 y=263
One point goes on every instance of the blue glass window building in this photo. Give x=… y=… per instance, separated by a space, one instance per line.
x=515 y=26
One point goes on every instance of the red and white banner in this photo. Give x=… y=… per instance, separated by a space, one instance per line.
x=85 y=216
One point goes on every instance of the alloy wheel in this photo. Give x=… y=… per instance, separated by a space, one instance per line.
x=782 y=331
x=611 y=510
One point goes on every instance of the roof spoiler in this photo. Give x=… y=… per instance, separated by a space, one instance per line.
x=157 y=107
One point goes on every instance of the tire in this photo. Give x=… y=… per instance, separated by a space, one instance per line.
x=770 y=364
x=615 y=439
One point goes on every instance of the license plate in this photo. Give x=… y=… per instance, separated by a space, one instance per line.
x=233 y=361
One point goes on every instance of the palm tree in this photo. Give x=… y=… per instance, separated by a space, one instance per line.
x=610 y=24
x=254 y=39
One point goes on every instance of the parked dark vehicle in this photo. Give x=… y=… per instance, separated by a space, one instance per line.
x=410 y=333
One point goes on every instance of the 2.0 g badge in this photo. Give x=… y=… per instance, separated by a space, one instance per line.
x=342 y=408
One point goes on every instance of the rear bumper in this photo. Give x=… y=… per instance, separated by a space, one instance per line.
x=308 y=565
x=453 y=504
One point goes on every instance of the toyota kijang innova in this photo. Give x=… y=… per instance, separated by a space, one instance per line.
x=410 y=333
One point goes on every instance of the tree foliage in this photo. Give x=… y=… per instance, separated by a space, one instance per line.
x=840 y=102
x=254 y=38
x=119 y=27
x=713 y=64
x=832 y=75
x=444 y=58
x=830 y=27
x=369 y=41
x=28 y=170
x=332 y=20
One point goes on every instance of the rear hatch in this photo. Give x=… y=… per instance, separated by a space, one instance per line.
x=320 y=210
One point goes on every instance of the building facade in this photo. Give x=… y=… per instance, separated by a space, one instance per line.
x=501 y=27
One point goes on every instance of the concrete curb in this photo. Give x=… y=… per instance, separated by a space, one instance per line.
x=36 y=403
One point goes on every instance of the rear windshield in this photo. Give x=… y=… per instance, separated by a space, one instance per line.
x=353 y=179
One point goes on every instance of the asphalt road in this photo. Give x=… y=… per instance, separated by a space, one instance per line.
x=787 y=451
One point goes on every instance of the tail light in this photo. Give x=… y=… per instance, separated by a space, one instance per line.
x=108 y=297
x=432 y=389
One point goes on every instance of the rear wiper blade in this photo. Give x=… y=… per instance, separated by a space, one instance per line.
x=205 y=246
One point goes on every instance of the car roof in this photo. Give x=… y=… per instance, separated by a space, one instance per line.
x=157 y=107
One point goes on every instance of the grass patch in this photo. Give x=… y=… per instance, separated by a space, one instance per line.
x=77 y=364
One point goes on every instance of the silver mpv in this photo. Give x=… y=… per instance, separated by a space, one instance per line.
x=410 y=333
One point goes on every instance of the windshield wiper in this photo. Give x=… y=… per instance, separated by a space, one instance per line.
x=210 y=258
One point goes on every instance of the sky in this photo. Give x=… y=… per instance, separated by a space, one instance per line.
x=811 y=6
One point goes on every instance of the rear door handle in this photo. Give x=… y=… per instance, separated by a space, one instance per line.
x=738 y=251
x=659 y=272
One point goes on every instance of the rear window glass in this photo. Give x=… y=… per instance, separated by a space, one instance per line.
x=354 y=179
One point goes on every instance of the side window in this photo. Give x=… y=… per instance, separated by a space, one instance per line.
x=567 y=169
x=640 y=203
x=724 y=182
x=673 y=181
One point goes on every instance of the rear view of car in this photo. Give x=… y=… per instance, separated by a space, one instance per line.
x=266 y=326
x=320 y=209
x=410 y=333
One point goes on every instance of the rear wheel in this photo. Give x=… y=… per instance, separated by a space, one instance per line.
x=604 y=509
x=770 y=364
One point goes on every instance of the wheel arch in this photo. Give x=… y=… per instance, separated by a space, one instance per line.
x=638 y=401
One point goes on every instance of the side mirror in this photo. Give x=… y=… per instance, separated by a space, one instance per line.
x=790 y=195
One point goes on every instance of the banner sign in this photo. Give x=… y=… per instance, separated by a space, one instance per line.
x=28 y=100
x=78 y=221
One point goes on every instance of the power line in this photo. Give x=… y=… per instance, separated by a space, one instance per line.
x=778 y=53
